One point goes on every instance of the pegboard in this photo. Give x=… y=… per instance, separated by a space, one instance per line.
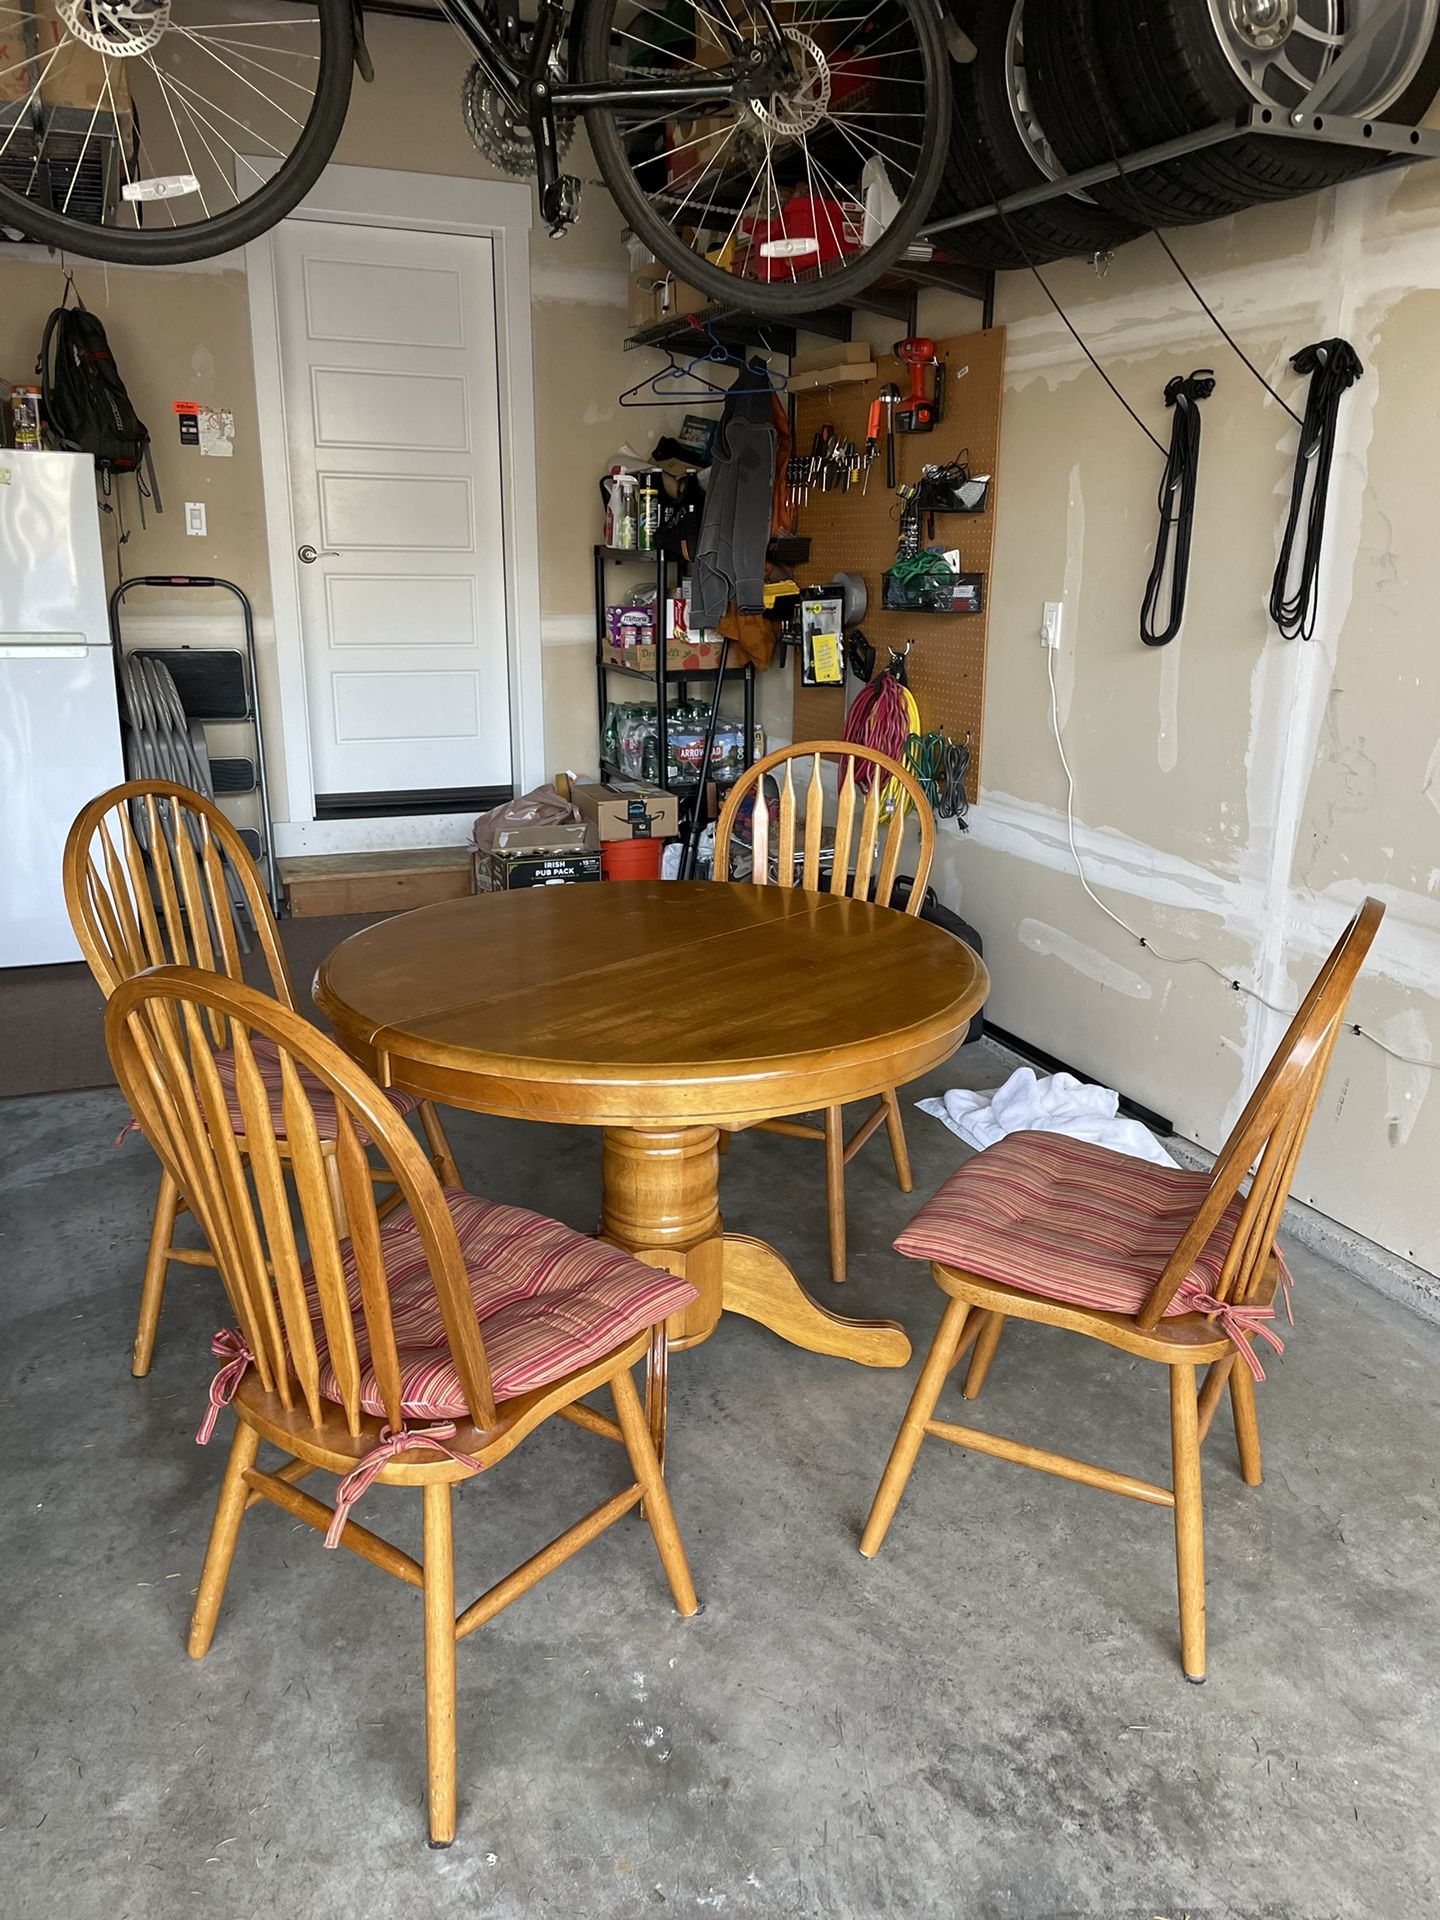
x=858 y=533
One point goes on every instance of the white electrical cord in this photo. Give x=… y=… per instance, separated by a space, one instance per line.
x=1175 y=959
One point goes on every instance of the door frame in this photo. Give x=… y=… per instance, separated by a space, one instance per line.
x=499 y=211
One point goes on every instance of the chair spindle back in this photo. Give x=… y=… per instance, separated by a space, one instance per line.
x=164 y=1030
x=1270 y=1133
x=851 y=800
x=154 y=876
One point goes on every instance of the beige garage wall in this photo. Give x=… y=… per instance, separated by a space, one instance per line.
x=186 y=335
x=1237 y=795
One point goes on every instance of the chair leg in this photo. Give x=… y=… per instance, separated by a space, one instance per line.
x=658 y=1511
x=440 y=1154
x=657 y=1389
x=439 y=1561
x=224 y=1531
x=895 y=1128
x=1189 y=1520
x=982 y=1356
x=938 y=1363
x=157 y=1260
x=1247 y=1424
x=835 y=1189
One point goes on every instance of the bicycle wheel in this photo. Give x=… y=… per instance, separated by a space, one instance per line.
x=808 y=179
x=158 y=131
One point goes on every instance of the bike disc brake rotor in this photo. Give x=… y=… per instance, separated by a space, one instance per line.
x=790 y=112
x=1281 y=48
x=123 y=29
x=497 y=132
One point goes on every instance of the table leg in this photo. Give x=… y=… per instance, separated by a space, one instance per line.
x=662 y=1205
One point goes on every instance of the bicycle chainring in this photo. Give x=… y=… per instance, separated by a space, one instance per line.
x=495 y=131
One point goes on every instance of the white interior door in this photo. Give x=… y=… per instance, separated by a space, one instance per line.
x=391 y=400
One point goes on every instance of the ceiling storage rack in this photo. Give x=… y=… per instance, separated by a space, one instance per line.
x=1391 y=143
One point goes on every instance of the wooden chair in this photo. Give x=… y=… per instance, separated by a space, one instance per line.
x=475 y=1320
x=1172 y=1266
x=155 y=874
x=864 y=881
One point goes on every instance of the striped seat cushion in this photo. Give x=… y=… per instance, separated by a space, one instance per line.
x=322 y=1101
x=1070 y=1221
x=548 y=1300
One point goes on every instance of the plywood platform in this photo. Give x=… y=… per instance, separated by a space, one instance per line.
x=390 y=882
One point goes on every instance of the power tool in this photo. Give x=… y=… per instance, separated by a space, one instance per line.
x=919 y=412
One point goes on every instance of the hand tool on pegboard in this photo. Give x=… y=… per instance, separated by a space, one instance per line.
x=920 y=412
x=872 y=440
x=889 y=398
x=795 y=471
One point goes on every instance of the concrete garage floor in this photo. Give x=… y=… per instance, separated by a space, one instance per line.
x=989 y=1720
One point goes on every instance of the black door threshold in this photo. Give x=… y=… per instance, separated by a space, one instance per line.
x=393 y=805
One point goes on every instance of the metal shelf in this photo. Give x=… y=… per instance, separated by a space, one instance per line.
x=894 y=295
x=671 y=673
x=662 y=675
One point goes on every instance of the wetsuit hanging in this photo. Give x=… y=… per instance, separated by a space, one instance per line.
x=1177 y=507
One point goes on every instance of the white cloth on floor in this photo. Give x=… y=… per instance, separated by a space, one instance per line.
x=1059 y=1103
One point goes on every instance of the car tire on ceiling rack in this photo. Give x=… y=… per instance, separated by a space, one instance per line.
x=1180 y=65
x=1082 y=115
x=998 y=146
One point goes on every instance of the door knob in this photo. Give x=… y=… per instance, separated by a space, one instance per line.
x=309 y=555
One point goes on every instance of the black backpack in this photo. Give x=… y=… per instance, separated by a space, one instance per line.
x=86 y=405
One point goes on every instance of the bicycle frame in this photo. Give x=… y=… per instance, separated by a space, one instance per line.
x=522 y=79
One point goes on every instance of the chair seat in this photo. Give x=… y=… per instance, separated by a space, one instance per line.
x=548 y=1301
x=1071 y=1221
x=322 y=1101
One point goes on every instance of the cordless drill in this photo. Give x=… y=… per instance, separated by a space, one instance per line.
x=919 y=412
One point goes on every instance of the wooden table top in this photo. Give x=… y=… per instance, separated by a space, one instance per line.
x=651 y=1002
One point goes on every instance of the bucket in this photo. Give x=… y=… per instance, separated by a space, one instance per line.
x=631 y=859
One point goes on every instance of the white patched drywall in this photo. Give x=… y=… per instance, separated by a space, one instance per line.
x=1237 y=795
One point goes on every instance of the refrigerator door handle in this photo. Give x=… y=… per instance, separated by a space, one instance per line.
x=43 y=650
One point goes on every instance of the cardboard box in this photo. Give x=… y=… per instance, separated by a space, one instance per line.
x=628 y=810
x=838 y=353
x=682 y=656
x=503 y=872
x=656 y=294
x=574 y=837
x=76 y=79
x=849 y=373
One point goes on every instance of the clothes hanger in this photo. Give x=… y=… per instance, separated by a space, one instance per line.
x=662 y=389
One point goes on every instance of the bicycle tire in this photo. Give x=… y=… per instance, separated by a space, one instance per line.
x=264 y=209
x=774 y=298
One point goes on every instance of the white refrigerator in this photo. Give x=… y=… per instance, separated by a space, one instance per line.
x=59 y=720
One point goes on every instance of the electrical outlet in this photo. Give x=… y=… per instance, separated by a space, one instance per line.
x=1050 y=623
x=195 y=517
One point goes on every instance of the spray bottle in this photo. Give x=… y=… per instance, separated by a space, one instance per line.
x=623 y=494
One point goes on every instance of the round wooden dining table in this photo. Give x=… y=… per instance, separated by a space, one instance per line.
x=663 y=1012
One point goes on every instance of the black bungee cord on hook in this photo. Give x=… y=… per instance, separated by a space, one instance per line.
x=1177 y=507
x=1333 y=366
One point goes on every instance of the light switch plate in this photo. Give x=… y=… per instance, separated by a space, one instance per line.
x=195 y=517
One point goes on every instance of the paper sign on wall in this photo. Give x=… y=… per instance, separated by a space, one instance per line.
x=212 y=429
x=217 y=432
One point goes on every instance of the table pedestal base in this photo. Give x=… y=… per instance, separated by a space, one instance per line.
x=662 y=1205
